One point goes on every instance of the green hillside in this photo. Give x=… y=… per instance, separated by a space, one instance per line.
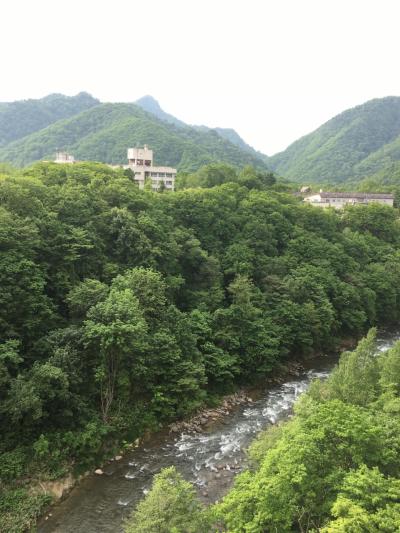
x=104 y=132
x=18 y=119
x=352 y=145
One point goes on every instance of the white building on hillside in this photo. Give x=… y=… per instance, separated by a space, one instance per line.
x=140 y=161
x=340 y=199
x=64 y=157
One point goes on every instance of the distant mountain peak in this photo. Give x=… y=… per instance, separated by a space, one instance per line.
x=148 y=103
x=151 y=105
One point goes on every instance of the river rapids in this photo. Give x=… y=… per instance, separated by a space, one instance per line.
x=210 y=459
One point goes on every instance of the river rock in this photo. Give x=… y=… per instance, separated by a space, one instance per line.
x=99 y=472
x=117 y=457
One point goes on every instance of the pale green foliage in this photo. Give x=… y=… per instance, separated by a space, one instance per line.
x=390 y=370
x=170 y=507
x=300 y=473
x=355 y=379
x=367 y=502
x=333 y=459
x=264 y=442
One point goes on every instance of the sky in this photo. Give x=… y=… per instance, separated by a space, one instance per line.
x=273 y=70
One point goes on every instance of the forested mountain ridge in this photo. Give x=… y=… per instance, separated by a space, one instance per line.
x=104 y=133
x=350 y=146
x=20 y=118
x=150 y=104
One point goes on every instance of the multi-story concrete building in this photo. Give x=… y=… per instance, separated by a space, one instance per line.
x=64 y=157
x=140 y=161
x=340 y=199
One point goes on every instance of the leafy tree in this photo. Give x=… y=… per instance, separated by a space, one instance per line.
x=367 y=502
x=170 y=507
x=116 y=329
x=355 y=380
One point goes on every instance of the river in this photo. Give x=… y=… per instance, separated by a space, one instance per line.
x=210 y=459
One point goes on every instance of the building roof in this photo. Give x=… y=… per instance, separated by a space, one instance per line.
x=359 y=195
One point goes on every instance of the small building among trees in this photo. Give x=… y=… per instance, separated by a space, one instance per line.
x=339 y=199
x=140 y=161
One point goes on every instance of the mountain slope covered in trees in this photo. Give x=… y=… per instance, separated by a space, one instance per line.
x=359 y=142
x=20 y=118
x=104 y=133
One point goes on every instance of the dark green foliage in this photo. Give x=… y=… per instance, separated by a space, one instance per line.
x=357 y=143
x=122 y=309
x=18 y=119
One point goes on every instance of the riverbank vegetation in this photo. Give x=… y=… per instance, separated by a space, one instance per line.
x=334 y=467
x=121 y=310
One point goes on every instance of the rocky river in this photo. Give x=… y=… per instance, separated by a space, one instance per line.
x=210 y=458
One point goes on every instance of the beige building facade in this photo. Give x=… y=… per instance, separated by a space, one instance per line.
x=64 y=157
x=339 y=199
x=140 y=161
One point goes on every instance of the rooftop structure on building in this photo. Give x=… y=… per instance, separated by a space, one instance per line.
x=64 y=157
x=140 y=161
x=340 y=199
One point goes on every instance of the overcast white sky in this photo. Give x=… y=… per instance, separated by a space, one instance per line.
x=272 y=69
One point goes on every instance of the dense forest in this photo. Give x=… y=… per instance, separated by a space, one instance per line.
x=357 y=143
x=122 y=309
x=334 y=467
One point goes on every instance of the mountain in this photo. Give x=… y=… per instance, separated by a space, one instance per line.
x=18 y=119
x=150 y=104
x=105 y=131
x=358 y=142
x=232 y=136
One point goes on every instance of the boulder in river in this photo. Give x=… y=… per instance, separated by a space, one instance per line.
x=99 y=472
